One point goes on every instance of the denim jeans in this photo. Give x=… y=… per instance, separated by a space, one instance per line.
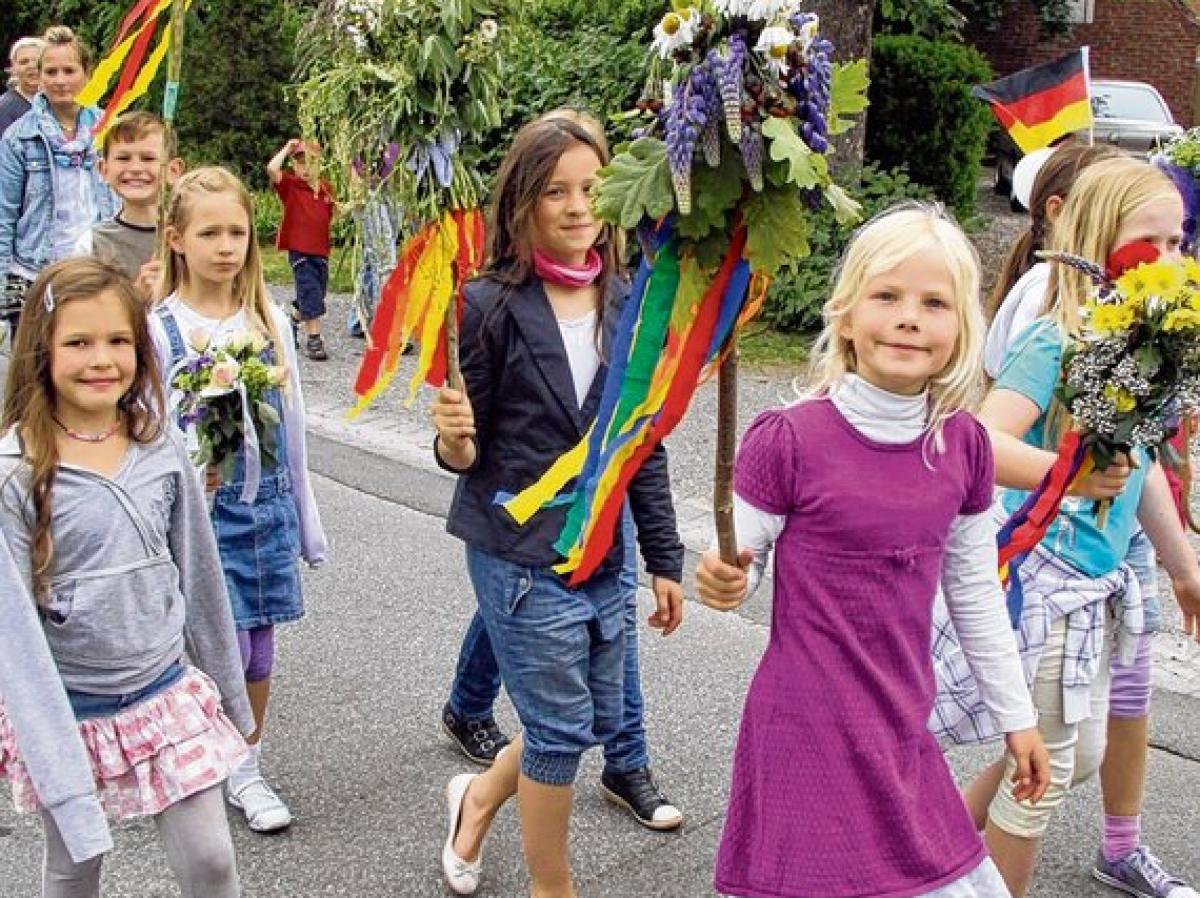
x=89 y=705
x=477 y=679
x=561 y=653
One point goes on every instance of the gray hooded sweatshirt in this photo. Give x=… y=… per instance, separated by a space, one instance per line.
x=41 y=718
x=136 y=577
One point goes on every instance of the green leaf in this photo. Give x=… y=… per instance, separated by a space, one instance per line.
x=715 y=191
x=805 y=168
x=636 y=184
x=846 y=209
x=778 y=227
x=847 y=94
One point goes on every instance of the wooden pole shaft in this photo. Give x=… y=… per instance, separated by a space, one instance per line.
x=726 y=449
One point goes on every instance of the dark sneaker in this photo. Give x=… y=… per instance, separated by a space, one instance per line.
x=479 y=740
x=1141 y=874
x=637 y=792
x=315 y=347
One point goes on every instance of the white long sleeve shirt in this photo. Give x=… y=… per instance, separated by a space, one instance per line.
x=970 y=583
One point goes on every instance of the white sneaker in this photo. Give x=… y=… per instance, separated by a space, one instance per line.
x=462 y=876
x=265 y=811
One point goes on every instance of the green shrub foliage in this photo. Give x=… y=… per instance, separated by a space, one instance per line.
x=924 y=117
x=796 y=297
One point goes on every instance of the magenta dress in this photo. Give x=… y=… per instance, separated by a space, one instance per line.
x=839 y=790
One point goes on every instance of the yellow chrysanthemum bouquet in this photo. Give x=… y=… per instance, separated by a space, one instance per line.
x=1133 y=370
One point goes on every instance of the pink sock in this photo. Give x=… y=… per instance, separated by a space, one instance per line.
x=1122 y=835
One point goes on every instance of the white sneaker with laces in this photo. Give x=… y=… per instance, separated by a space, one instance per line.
x=265 y=811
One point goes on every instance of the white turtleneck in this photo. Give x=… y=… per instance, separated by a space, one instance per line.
x=970 y=582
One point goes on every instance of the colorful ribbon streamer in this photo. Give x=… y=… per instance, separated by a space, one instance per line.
x=129 y=57
x=435 y=265
x=666 y=339
x=1029 y=523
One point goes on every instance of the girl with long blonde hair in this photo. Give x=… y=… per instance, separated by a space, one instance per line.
x=872 y=490
x=214 y=291
x=1085 y=612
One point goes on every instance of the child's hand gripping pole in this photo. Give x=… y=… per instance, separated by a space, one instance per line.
x=722 y=586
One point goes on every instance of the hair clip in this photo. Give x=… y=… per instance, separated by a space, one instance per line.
x=48 y=297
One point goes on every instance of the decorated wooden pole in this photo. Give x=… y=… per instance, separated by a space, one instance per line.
x=449 y=57
x=720 y=181
x=169 y=108
x=727 y=391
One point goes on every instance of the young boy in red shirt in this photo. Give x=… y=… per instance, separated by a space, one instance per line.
x=308 y=208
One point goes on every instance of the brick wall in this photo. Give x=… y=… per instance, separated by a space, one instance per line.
x=1136 y=40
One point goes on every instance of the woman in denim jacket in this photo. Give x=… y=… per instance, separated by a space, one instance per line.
x=51 y=189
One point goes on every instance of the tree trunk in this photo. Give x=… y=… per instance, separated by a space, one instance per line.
x=848 y=24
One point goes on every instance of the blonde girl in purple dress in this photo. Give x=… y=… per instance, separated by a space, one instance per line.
x=874 y=491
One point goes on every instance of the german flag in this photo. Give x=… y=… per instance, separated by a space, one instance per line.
x=1039 y=105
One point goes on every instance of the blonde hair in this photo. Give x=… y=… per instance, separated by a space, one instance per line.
x=1106 y=194
x=62 y=36
x=886 y=241
x=249 y=287
x=25 y=43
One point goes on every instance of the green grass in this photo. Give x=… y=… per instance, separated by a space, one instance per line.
x=277 y=271
x=764 y=347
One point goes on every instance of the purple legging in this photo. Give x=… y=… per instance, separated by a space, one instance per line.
x=258 y=652
x=1129 y=697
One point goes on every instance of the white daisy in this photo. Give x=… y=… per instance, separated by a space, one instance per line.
x=733 y=7
x=766 y=10
x=773 y=44
x=677 y=29
x=488 y=30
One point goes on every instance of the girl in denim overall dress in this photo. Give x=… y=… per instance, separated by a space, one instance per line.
x=215 y=290
x=109 y=533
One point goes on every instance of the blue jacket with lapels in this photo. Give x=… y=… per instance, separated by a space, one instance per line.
x=519 y=383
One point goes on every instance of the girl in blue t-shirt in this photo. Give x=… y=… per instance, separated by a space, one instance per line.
x=1081 y=601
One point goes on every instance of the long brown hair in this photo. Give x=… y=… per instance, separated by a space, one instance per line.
x=249 y=287
x=526 y=170
x=1056 y=178
x=29 y=399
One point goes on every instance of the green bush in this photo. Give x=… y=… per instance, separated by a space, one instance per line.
x=268 y=213
x=591 y=54
x=795 y=298
x=924 y=117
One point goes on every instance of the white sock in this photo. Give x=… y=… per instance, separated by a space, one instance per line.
x=247 y=771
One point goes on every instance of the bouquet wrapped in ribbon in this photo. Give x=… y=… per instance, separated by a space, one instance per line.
x=400 y=94
x=1128 y=379
x=224 y=396
x=720 y=181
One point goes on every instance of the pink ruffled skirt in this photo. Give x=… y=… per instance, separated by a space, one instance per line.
x=146 y=757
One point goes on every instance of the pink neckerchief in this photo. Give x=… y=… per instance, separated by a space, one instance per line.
x=557 y=273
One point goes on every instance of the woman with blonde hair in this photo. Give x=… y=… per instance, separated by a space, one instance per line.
x=51 y=190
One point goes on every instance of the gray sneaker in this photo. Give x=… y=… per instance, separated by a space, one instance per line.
x=1141 y=874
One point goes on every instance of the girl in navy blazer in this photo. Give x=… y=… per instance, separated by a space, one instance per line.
x=535 y=334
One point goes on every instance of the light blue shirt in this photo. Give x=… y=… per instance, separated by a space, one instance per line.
x=1032 y=369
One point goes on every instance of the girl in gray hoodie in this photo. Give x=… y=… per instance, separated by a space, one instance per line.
x=109 y=532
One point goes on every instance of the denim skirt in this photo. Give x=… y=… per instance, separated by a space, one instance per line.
x=259 y=544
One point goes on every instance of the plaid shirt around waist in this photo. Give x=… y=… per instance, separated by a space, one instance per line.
x=1053 y=589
